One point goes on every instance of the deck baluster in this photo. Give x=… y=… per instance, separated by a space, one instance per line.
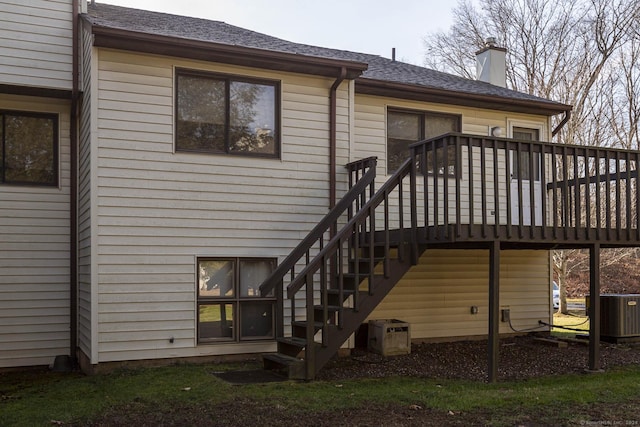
x=496 y=189
x=483 y=185
x=470 y=179
x=627 y=187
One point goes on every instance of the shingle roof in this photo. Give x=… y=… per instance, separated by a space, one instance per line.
x=185 y=27
x=379 y=68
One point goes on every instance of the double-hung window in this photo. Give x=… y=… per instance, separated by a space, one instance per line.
x=28 y=148
x=227 y=115
x=404 y=127
x=230 y=307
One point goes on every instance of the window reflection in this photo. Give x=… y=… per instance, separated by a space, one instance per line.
x=225 y=115
x=406 y=127
x=215 y=321
x=28 y=148
x=230 y=306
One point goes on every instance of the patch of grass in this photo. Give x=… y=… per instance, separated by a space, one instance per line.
x=576 y=320
x=38 y=398
x=578 y=325
x=32 y=398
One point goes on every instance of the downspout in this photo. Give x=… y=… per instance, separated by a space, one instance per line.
x=565 y=119
x=333 y=138
x=333 y=149
x=73 y=223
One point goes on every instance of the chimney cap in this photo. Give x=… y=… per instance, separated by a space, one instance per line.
x=490 y=42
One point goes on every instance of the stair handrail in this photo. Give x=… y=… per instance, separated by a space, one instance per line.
x=324 y=225
x=299 y=281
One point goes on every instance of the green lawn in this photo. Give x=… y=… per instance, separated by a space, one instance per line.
x=176 y=394
x=574 y=320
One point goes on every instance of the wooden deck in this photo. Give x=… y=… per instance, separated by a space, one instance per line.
x=524 y=193
x=528 y=237
x=454 y=191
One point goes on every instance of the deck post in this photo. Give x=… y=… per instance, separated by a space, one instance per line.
x=594 y=308
x=494 y=310
x=413 y=238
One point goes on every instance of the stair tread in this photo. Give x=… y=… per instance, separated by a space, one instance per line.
x=337 y=291
x=350 y=275
x=282 y=359
x=329 y=307
x=363 y=259
x=297 y=341
x=303 y=323
x=379 y=243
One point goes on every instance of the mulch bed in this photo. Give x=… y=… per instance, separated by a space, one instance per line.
x=520 y=358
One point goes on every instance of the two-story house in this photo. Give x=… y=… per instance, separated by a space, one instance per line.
x=174 y=187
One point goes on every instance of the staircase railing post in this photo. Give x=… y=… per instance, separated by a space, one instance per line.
x=309 y=353
x=280 y=309
x=413 y=236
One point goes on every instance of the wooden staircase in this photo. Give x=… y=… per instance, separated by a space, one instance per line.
x=332 y=288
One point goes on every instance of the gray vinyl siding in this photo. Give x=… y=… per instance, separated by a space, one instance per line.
x=370 y=139
x=371 y=123
x=34 y=257
x=157 y=210
x=36 y=43
x=85 y=312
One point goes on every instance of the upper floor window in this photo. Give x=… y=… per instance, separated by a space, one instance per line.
x=228 y=115
x=28 y=148
x=405 y=127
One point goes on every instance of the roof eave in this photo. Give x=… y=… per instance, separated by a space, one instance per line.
x=108 y=37
x=427 y=94
x=35 y=91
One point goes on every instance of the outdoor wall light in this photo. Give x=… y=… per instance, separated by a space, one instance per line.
x=474 y=309
x=496 y=131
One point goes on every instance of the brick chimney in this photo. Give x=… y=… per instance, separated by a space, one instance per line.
x=491 y=63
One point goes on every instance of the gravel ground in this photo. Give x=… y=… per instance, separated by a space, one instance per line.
x=519 y=358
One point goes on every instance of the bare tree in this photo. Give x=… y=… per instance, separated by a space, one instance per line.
x=623 y=106
x=579 y=52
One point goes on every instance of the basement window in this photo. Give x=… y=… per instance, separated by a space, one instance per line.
x=230 y=307
x=221 y=114
x=28 y=148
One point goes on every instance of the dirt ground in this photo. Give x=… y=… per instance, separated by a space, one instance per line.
x=520 y=358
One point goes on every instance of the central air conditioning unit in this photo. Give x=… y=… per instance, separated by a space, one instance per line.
x=619 y=317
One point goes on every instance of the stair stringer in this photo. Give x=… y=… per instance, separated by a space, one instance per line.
x=353 y=318
x=304 y=353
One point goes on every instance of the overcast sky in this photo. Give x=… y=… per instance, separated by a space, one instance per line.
x=369 y=26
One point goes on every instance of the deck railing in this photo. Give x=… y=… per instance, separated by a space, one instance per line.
x=516 y=189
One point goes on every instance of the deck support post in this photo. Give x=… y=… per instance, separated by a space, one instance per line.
x=494 y=310
x=594 y=308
